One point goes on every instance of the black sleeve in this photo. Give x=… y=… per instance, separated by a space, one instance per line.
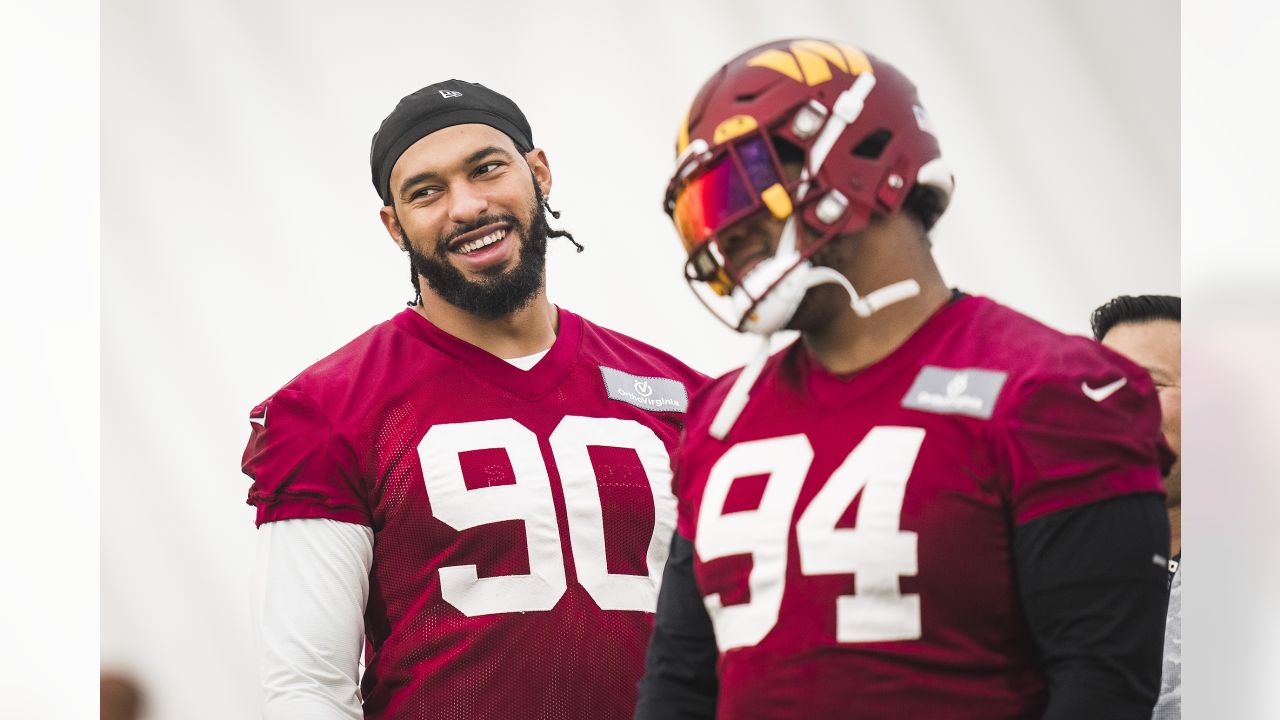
x=679 y=680
x=1093 y=585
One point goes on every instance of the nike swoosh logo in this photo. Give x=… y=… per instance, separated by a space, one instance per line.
x=260 y=420
x=1104 y=392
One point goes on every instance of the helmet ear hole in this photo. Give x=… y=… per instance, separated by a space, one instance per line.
x=926 y=204
x=873 y=145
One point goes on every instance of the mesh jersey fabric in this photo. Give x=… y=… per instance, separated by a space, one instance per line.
x=907 y=554
x=520 y=518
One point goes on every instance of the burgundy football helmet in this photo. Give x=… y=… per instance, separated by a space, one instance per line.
x=863 y=145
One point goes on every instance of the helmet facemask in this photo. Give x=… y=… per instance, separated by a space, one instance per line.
x=742 y=180
x=712 y=195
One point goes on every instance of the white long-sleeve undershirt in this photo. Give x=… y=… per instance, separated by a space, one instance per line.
x=310 y=587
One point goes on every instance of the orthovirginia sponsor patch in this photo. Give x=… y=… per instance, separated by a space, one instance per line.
x=647 y=393
x=969 y=391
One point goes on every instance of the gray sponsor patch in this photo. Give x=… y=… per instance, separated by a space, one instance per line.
x=647 y=393
x=969 y=391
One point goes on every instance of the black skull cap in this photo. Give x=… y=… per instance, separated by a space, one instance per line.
x=435 y=107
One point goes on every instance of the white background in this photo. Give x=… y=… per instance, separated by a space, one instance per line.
x=240 y=240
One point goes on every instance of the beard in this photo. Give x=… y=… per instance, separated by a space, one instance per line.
x=501 y=292
x=822 y=302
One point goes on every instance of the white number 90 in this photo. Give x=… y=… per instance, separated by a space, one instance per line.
x=529 y=499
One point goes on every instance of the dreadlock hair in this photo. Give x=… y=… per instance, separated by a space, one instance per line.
x=558 y=233
x=1134 y=309
x=413 y=270
x=417 y=289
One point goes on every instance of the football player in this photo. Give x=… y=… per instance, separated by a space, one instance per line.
x=930 y=505
x=476 y=492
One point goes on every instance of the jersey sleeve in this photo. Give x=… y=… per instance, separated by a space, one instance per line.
x=1086 y=430
x=703 y=405
x=684 y=507
x=301 y=467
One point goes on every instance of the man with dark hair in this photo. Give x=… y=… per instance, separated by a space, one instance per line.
x=476 y=492
x=1148 y=330
x=929 y=506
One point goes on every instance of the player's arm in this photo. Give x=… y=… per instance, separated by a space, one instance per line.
x=311 y=578
x=680 y=681
x=310 y=586
x=1091 y=536
x=1092 y=581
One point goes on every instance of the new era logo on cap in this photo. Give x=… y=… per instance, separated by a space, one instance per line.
x=435 y=107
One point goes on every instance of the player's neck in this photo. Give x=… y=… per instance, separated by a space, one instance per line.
x=849 y=343
x=889 y=249
x=526 y=331
x=1175 y=528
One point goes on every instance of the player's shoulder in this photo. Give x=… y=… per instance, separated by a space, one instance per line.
x=779 y=368
x=1047 y=364
x=619 y=351
x=358 y=372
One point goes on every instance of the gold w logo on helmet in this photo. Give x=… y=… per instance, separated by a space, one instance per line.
x=810 y=61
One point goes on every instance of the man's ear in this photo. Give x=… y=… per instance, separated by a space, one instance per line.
x=392 y=224
x=541 y=169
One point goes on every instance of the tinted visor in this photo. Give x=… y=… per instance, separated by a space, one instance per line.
x=726 y=189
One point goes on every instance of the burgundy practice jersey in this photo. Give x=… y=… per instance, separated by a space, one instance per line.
x=521 y=519
x=853 y=535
